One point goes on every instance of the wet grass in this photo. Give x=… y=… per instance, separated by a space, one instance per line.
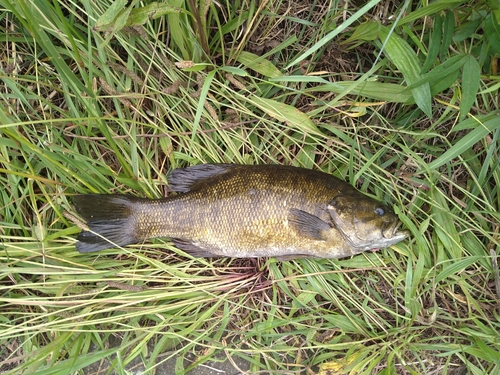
x=400 y=102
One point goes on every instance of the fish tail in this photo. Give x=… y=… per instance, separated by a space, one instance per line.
x=110 y=220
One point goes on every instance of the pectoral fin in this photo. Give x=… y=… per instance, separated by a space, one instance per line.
x=307 y=224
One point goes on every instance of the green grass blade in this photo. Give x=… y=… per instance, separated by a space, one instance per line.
x=287 y=113
x=374 y=90
x=471 y=77
x=430 y=9
x=327 y=38
x=258 y=64
x=483 y=125
x=448 y=31
x=434 y=43
x=406 y=60
x=448 y=67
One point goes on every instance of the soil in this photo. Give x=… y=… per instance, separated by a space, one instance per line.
x=220 y=367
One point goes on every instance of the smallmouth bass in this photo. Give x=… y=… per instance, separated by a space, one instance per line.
x=230 y=210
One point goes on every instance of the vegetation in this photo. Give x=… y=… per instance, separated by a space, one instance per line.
x=398 y=98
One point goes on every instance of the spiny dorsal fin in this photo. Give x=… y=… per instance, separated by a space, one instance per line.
x=182 y=180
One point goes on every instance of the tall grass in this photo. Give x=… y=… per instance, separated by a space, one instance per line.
x=109 y=96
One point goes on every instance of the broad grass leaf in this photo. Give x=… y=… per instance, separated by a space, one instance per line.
x=444 y=225
x=467 y=30
x=406 y=60
x=180 y=35
x=492 y=31
x=259 y=64
x=387 y=92
x=113 y=20
x=343 y=322
x=234 y=70
x=305 y=157
x=455 y=267
x=446 y=68
x=485 y=351
x=286 y=113
x=365 y=32
x=444 y=83
x=417 y=275
x=72 y=365
x=448 y=30
x=432 y=8
x=110 y=19
x=471 y=78
x=434 y=43
x=31 y=15
x=139 y=16
x=201 y=102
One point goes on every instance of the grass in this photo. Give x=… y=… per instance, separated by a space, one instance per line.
x=400 y=101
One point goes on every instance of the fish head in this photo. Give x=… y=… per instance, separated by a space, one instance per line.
x=365 y=224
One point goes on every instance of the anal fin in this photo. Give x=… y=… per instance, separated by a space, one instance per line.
x=193 y=249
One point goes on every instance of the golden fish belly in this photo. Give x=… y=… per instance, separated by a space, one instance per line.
x=236 y=230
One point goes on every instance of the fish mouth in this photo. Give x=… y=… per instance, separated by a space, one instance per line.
x=393 y=232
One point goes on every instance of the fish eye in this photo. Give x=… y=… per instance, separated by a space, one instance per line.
x=380 y=211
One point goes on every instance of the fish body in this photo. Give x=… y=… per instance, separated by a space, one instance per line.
x=244 y=211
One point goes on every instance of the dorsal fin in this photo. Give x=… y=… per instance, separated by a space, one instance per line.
x=182 y=180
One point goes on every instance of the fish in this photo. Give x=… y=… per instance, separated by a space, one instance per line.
x=244 y=211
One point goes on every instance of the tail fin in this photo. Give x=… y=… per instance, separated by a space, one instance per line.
x=110 y=219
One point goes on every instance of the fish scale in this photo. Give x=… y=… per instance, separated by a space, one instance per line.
x=245 y=211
